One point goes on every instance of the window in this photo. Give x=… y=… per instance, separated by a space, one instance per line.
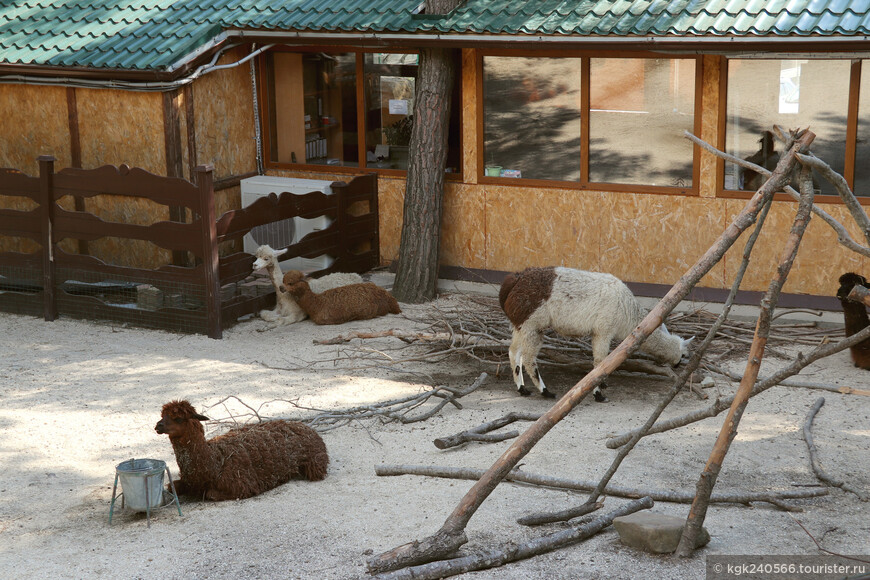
x=791 y=94
x=862 y=147
x=627 y=128
x=316 y=122
x=639 y=109
x=532 y=113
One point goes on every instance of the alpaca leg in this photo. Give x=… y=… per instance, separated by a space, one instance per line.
x=533 y=346
x=515 y=356
x=600 y=350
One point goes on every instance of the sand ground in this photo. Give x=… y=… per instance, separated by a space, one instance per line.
x=80 y=397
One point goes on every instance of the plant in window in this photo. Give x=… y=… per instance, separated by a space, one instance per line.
x=399 y=133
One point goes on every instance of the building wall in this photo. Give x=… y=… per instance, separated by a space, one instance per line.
x=639 y=237
x=116 y=127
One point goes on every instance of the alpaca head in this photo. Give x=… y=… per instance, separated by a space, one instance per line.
x=266 y=256
x=292 y=280
x=849 y=281
x=177 y=418
x=676 y=355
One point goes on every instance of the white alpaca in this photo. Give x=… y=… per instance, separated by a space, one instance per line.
x=286 y=310
x=574 y=303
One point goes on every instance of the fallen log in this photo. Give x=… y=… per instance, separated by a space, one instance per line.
x=479 y=433
x=452 y=535
x=536 y=547
x=517 y=476
x=814 y=458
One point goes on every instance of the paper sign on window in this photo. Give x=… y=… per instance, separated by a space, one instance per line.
x=398 y=106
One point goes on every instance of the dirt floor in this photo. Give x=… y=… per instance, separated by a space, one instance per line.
x=80 y=397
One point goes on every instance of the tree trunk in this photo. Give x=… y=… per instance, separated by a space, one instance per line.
x=417 y=268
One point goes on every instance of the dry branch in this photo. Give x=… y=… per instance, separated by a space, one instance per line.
x=708 y=477
x=860 y=294
x=814 y=458
x=536 y=547
x=479 y=433
x=452 y=533
x=517 y=476
x=684 y=375
x=720 y=405
x=843 y=236
x=839 y=182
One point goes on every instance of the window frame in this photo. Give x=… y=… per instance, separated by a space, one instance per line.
x=851 y=129
x=585 y=91
x=265 y=88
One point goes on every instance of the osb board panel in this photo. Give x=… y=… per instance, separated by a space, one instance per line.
x=463 y=226
x=34 y=122
x=224 y=111
x=657 y=238
x=391 y=200
x=469 y=115
x=536 y=227
x=820 y=260
x=123 y=252
x=121 y=127
x=709 y=123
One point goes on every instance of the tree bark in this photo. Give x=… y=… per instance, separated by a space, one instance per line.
x=417 y=267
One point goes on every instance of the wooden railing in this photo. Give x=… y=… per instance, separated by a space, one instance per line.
x=198 y=298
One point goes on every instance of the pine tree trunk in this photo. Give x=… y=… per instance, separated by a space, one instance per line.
x=417 y=267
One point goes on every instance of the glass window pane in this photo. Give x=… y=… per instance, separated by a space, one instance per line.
x=791 y=94
x=862 y=149
x=531 y=117
x=313 y=121
x=639 y=109
x=390 y=80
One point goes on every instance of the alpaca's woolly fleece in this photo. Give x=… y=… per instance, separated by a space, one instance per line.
x=574 y=303
x=243 y=462
x=286 y=310
x=855 y=318
x=343 y=304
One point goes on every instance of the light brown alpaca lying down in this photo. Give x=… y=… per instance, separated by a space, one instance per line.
x=342 y=304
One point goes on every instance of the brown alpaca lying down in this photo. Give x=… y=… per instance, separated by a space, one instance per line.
x=243 y=462
x=342 y=304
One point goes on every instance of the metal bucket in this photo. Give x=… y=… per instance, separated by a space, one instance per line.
x=142 y=483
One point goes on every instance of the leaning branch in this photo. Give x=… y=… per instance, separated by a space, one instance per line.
x=720 y=405
x=495 y=558
x=843 y=236
x=451 y=535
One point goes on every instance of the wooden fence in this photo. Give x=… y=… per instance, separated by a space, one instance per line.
x=205 y=297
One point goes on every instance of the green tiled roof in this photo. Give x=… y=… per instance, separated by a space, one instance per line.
x=152 y=35
x=661 y=17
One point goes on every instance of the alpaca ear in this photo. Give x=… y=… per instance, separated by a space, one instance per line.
x=686 y=342
x=280 y=252
x=199 y=417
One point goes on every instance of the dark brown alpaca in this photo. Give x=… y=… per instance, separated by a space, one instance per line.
x=243 y=462
x=855 y=318
x=342 y=304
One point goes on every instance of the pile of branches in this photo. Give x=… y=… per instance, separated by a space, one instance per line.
x=478 y=330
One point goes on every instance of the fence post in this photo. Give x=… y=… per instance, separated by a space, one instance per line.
x=204 y=180
x=339 y=189
x=46 y=211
